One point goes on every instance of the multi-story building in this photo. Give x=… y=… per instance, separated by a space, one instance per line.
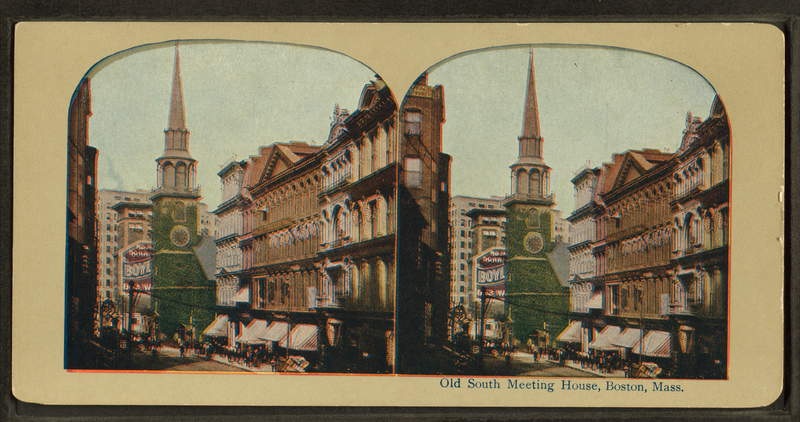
x=638 y=232
x=587 y=258
x=357 y=292
x=81 y=306
x=108 y=240
x=488 y=237
x=183 y=279
x=700 y=214
x=537 y=290
x=314 y=229
x=230 y=258
x=650 y=239
x=423 y=254
x=562 y=228
x=284 y=184
x=462 y=290
x=133 y=261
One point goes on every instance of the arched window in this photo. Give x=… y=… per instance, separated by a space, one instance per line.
x=536 y=183
x=180 y=175
x=523 y=184
x=168 y=175
x=382 y=283
x=688 y=226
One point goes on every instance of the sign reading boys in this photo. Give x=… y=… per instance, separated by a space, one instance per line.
x=137 y=265
x=490 y=272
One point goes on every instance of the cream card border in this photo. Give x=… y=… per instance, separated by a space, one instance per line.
x=744 y=62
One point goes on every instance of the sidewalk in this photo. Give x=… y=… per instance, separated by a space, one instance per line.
x=224 y=360
x=174 y=352
x=526 y=357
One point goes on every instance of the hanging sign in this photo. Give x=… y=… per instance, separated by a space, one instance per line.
x=490 y=272
x=137 y=265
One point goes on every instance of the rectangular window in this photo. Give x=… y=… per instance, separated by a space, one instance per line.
x=413 y=172
x=413 y=123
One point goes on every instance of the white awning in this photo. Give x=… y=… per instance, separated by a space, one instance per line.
x=596 y=302
x=604 y=339
x=571 y=334
x=253 y=332
x=656 y=344
x=243 y=296
x=628 y=338
x=218 y=328
x=276 y=331
x=304 y=337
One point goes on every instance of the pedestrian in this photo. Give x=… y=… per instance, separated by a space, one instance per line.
x=530 y=345
x=536 y=356
x=183 y=350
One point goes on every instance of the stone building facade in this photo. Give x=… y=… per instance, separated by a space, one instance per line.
x=81 y=306
x=423 y=254
x=650 y=237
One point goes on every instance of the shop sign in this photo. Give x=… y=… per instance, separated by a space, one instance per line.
x=137 y=265
x=491 y=272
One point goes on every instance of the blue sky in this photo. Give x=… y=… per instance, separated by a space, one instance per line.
x=593 y=102
x=238 y=96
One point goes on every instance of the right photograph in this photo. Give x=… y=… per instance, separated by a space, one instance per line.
x=566 y=214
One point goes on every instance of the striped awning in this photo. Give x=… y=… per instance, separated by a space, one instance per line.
x=243 y=296
x=276 y=331
x=596 y=302
x=605 y=338
x=218 y=328
x=571 y=334
x=628 y=338
x=304 y=337
x=656 y=344
x=253 y=332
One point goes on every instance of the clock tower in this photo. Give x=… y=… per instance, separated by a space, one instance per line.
x=537 y=299
x=181 y=287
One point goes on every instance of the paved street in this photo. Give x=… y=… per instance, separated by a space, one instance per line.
x=169 y=360
x=523 y=365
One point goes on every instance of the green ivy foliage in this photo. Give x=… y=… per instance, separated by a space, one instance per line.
x=163 y=222
x=529 y=277
x=176 y=306
x=517 y=229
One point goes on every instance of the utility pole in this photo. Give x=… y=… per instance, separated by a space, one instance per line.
x=483 y=326
x=130 y=321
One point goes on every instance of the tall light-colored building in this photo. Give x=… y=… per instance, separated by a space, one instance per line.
x=108 y=241
x=462 y=291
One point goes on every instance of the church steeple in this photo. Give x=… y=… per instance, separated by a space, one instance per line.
x=530 y=143
x=530 y=124
x=177 y=117
x=176 y=167
x=530 y=175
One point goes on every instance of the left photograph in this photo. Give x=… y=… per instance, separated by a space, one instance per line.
x=231 y=208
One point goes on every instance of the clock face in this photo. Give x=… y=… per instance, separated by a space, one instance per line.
x=534 y=243
x=181 y=236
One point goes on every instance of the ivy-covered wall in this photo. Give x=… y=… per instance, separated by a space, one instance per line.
x=180 y=286
x=533 y=285
x=164 y=213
